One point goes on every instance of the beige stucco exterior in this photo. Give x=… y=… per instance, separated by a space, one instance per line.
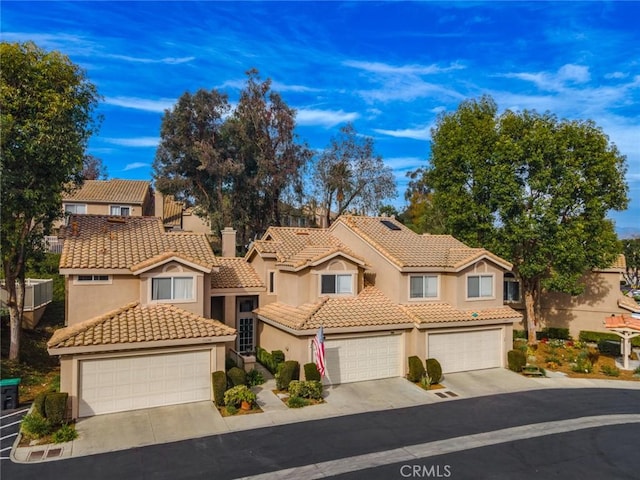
x=91 y=299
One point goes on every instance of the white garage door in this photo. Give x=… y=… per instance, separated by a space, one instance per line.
x=358 y=359
x=130 y=383
x=464 y=351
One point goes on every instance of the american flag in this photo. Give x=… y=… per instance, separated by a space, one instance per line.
x=318 y=351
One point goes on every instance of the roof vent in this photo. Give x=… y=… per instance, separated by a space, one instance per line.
x=390 y=225
x=116 y=220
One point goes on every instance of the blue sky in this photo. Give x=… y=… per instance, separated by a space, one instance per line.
x=390 y=68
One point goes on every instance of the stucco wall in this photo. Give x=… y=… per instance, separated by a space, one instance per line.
x=85 y=301
x=294 y=348
x=197 y=305
x=482 y=267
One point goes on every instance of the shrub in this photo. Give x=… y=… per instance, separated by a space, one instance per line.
x=610 y=371
x=425 y=382
x=636 y=372
x=266 y=359
x=238 y=394
x=609 y=347
x=582 y=365
x=593 y=355
x=553 y=359
x=556 y=333
x=307 y=389
x=255 y=377
x=297 y=402
x=229 y=363
x=520 y=334
x=231 y=409
x=278 y=357
x=287 y=371
x=219 y=380
x=595 y=337
x=237 y=376
x=38 y=404
x=35 y=426
x=55 y=407
x=65 y=433
x=434 y=370
x=311 y=372
x=416 y=369
x=516 y=360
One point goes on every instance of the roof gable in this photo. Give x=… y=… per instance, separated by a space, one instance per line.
x=110 y=191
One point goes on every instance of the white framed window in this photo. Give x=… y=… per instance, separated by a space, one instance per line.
x=511 y=292
x=121 y=210
x=75 y=208
x=336 y=284
x=480 y=286
x=271 y=282
x=91 y=279
x=423 y=286
x=172 y=288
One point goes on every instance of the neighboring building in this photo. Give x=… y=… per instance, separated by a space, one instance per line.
x=601 y=298
x=175 y=216
x=110 y=197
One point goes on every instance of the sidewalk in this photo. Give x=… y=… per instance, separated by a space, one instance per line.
x=121 y=431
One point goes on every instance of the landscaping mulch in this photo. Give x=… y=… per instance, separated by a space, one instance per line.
x=255 y=409
x=283 y=395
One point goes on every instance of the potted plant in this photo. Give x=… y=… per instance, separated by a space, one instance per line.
x=241 y=396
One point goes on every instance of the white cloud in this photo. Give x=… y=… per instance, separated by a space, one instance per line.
x=324 y=118
x=166 y=60
x=134 y=142
x=404 y=164
x=412 y=69
x=555 y=82
x=135 y=165
x=145 y=104
x=616 y=75
x=423 y=133
x=574 y=73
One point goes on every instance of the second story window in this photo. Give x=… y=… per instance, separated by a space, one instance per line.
x=480 y=286
x=423 y=286
x=336 y=284
x=120 y=210
x=172 y=288
x=83 y=279
x=75 y=208
x=272 y=281
x=511 y=288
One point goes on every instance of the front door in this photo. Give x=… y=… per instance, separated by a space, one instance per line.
x=246 y=323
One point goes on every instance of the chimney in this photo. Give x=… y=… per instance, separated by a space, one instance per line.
x=228 y=242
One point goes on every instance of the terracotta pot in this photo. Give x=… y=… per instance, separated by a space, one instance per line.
x=245 y=405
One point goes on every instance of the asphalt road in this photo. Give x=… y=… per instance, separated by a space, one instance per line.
x=604 y=452
x=9 y=428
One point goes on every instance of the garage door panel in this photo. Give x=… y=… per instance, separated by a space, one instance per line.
x=466 y=351
x=360 y=359
x=129 y=383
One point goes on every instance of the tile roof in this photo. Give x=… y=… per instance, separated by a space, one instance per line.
x=443 y=312
x=628 y=303
x=104 y=242
x=135 y=323
x=171 y=211
x=110 y=191
x=626 y=322
x=405 y=248
x=296 y=247
x=235 y=273
x=370 y=308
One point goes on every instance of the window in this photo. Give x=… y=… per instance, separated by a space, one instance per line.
x=120 y=210
x=75 y=208
x=479 y=286
x=272 y=281
x=511 y=288
x=172 y=288
x=423 y=286
x=336 y=284
x=92 y=278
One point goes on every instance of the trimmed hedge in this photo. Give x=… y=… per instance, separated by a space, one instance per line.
x=434 y=370
x=278 y=356
x=287 y=371
x=416 y=369
x=55 y=407
x=269 y=360
x=595 y=337
x=237 y=376
x=610 y=347
x=308 y=389
x=38 y=404
x=311 y=372
x=219 y=380
x=516 y=360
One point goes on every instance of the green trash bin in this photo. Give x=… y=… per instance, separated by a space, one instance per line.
x=10 y=399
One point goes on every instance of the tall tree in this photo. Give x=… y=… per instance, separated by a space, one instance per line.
x=631 y=250
x=534 y=189
x=93 y=168
x=192 y=161
x=46 y=121
x=350 y=175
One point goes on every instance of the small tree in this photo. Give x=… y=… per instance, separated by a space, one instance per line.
x=631 y=250
x=46 y=121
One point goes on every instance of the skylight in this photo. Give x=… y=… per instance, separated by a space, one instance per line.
x=390 y=225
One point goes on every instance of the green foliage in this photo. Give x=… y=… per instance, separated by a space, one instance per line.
x=610 y=371
x=278 y=356
x=255 y=377
x=65 y=433
x=229 y=363
x=609 y=347
x=582 y=365
x=219 y=380
x=38 y=404
x=306 y=389
x=553 y=359
x=267 y=359
x=631 y=250
x=636 y=371
x=519 y=334
x=238 y=394
x=311 y=372
x=531 y=188
x=237 y=376
x=516 y=359
x=595 y=337
x=425 y=382
x=434 y=370
x=287 y=371
x=297 y=402
x=554 y=333
x=416 y=369
x=35 y=426
x=231 y=409
x=55 y=407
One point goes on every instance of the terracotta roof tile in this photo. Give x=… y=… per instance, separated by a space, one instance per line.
x=110 y=191
x=135 y=323
x=622 y=322
x=171 y=212
x=370 y=308
x=405 y=248
x=628 y=303
x=104 y=242
x=235 y=273
x=443 y=312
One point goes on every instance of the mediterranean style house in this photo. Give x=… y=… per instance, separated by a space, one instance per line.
x=150 y=313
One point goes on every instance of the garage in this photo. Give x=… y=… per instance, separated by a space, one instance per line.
x=129 y=383
x=465 y=351
x=366 y=358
